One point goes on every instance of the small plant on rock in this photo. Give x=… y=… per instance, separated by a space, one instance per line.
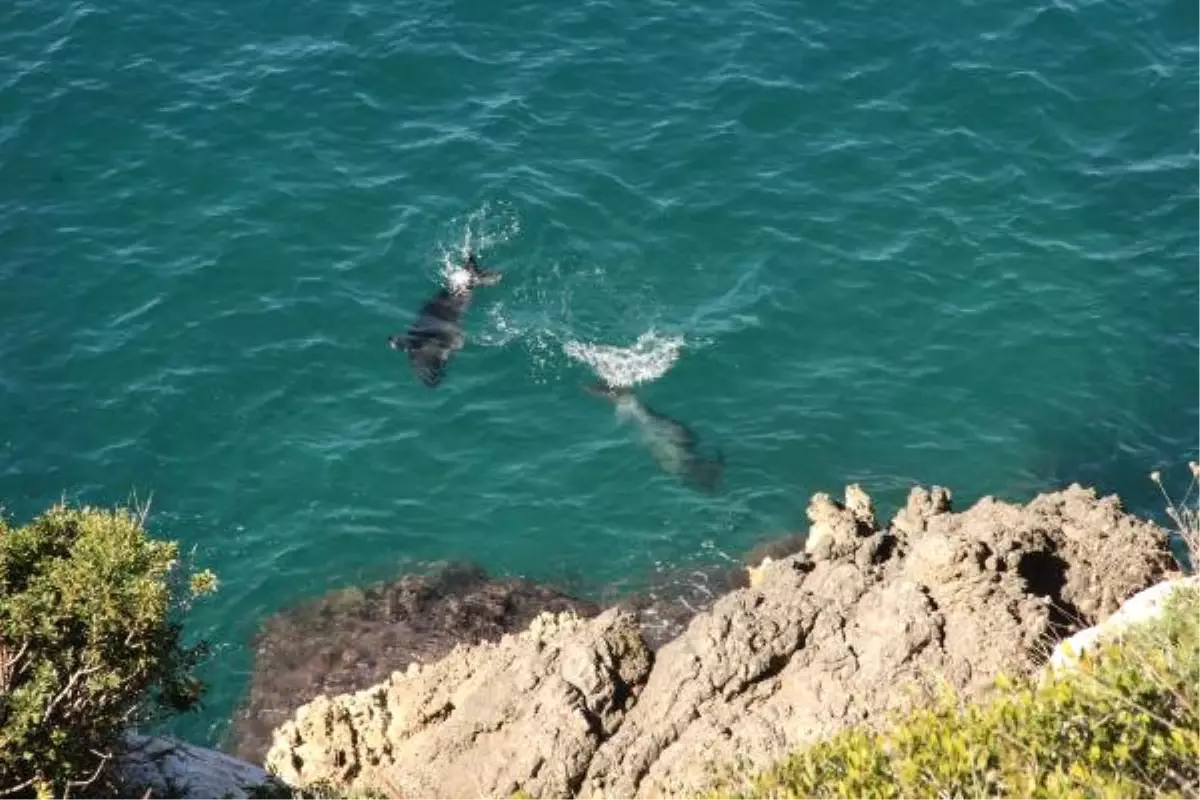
x=1185 y=517
x=87 y=646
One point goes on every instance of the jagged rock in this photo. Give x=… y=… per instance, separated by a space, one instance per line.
x=869 y=626
x=866 y=623
x=921 y=507
x=351 y=639
x=859 y=504
x=1102 y=554
x=170 y=768
x=525 y=713
x=754 y=574
x=837 y=527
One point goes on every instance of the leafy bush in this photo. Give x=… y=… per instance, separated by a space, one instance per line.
x=1123 y=724
x=86 y=646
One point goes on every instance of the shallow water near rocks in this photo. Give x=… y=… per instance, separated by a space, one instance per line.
x=848 y=242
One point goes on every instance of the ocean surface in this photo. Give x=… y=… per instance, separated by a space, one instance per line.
x=953 y=243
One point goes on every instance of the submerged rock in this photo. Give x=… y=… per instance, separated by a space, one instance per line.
x=671 y=599
x=350 y=639
x=867 y=622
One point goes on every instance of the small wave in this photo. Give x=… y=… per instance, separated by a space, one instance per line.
x=645 y=360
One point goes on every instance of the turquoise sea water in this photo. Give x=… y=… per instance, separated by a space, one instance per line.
x=945 y=243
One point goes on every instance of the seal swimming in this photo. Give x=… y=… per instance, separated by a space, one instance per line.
x=438 y=332
x=674 y=445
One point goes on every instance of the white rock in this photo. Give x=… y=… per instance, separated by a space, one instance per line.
x=1146 y=605
x=755 y=574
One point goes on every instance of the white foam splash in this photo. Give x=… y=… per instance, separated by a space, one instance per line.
x=645 y=360
x=454 y=274
x=544 y=322
x=483 y=229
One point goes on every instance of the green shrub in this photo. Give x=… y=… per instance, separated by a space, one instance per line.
x=87 y=646
x=1123 y=724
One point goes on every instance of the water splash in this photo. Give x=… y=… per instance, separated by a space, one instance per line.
x=645 y=360
x=501 y=328
x=481 y=230
x=549 y=326
x=454 y=275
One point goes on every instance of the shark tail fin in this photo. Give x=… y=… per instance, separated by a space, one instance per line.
x=479 y=275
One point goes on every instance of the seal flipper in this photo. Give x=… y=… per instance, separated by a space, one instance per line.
x=429 y=364
x=427 y=355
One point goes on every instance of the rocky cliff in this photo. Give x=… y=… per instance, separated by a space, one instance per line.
x=869 y=620
x=352 y=638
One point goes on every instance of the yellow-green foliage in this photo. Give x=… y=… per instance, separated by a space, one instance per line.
x=85 y=639
x=1124 y=724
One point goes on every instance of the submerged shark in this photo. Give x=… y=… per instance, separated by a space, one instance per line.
x=438 y=332
x=674 y=445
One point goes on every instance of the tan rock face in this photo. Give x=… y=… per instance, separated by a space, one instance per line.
x=863 y=624
x=528 y=712
x=352 y=639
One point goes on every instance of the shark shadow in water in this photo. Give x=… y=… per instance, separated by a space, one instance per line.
x=674 y=445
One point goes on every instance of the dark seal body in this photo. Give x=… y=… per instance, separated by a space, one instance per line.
x=437 y=331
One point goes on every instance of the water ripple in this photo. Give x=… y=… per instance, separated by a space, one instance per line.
x=956 y=246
